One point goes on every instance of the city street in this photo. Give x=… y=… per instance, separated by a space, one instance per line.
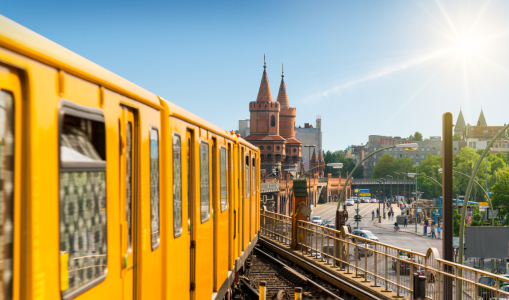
x=384 y=234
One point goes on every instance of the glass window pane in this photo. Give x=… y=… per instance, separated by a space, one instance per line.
x=247 y=176
x=128 y=183
x=224 y=190
x=204 y=182
x=177 y=187
x=154 y=188
x=6 y=192
x=253 y=176
x=83 y=226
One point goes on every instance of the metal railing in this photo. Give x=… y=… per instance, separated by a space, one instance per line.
x=384 y=265
x=276 y=226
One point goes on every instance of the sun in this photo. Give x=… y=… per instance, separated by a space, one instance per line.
x=466 y=45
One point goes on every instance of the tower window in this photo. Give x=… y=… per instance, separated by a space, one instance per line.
x=272 y=121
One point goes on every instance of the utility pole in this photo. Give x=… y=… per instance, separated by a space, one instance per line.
x=447 y=209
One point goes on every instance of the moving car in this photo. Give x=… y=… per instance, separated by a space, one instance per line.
x=349 y=202
x=372 y=200
x=355 y=199
x=365 y=234
x=317 y=220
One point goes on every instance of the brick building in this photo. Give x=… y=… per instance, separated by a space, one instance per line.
x=272 y=128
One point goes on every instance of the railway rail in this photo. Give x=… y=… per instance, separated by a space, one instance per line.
x=282 y=277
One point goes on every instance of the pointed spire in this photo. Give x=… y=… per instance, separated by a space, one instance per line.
x=282 y=97
x=313 y=157
x=320 y=157
x=460 y=122
x=482 y=120
x=264 y=93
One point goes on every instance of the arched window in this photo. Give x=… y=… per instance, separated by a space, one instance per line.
x=272 y=121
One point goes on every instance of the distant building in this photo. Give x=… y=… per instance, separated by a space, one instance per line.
x=244 y=128
x=310 y=136
x=473 y=135
x=375 y=142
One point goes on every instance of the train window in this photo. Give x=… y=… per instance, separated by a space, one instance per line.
x=253 y=170
x=247 y=176
x=177 y=187
x=154 y=188
x=6 y=191
x=224 y=190
x=204 y=182
x=83 y=243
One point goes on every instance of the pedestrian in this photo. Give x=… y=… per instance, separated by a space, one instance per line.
x=425 y=229
x=378 y=212
x=406 y=222
x=372 y=215
x=433 y=235
x=439 y=230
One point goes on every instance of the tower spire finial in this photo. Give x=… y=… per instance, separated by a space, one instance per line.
x=264 y=62
x=282 y=70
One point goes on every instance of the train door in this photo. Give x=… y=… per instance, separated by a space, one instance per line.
x=128 y=192
x=10 y=112
x=215 y=213
x=190 y=210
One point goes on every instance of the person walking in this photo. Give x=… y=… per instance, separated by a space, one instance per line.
x=439 y=230
x=378 y=212
x=405 y=222
x=433 y=235
x=425 y=229
x=372 y=215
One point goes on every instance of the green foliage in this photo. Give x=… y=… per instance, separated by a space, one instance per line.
x=388 y=165
x=500 y=198
x=456 y=137
x=430 y=167
x=348 y=165
x=415 y=137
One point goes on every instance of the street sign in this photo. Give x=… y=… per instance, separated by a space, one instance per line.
x=356 y=210
x=363 y=191
x=455 y=242
x=356 y=191
x=365 y=194
x=484 y=203
x=419 y=209
x=485 y=196
x=416 y=213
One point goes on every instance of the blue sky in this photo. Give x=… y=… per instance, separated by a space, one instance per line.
x=367 y=67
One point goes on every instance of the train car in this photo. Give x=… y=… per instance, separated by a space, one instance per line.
x=109 y=191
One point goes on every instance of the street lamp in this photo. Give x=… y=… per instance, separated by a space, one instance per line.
x=485 y=192
x=379 y=188
x=409 y=146
x=383 y=192
x=391 y=185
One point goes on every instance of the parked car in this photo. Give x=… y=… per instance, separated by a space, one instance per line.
x=365 y=234
x=326 y=223
x=349 y=202
x=355 y=199
x=373 y=200
x=316 y=220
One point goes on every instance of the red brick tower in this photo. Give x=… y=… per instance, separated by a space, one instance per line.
x=321 y=163
x=287 y=116
x=264 y=131
x=314 y=163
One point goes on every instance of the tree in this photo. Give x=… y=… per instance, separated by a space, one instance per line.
x=416 y=137
x=456 y=222
x=430 y=167
x=456 y=137
x=348 y=165
x=500 y=198
x=384 y=167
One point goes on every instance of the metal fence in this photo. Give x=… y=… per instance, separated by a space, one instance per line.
x=385 y=265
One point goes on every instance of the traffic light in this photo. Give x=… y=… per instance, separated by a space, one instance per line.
x=407 y=211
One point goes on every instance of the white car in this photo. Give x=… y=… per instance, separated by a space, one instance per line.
x=349 y=202
x=316 y=220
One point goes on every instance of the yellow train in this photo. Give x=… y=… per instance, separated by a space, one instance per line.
x=108 y=191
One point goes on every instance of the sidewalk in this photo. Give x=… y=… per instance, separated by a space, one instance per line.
x=389 y=225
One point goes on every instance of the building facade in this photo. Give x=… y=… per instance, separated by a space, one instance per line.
x=272 y=128
x=375 y=142
x=311 y=135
